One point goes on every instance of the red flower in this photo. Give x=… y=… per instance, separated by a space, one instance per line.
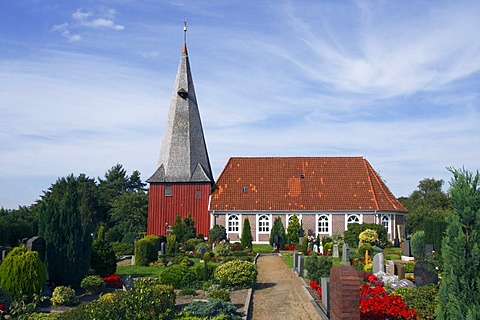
x=114 y=281
x=375 y=303
x=3 y=307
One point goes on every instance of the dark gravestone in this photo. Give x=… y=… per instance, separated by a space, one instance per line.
x=37 y=244
x=346 y=254
x=163 y=250
x=295 y=260
x=406 y=249
x=300 y=265
x=425 y=273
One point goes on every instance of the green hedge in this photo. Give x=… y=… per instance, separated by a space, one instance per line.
x=318 y=267
x=236 y=273
x=178 y=276
x=146 y=250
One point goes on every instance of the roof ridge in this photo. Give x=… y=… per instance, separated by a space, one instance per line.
x=365 y=162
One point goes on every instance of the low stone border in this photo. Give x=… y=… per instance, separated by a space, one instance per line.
x=312 y=301
x=248 y=300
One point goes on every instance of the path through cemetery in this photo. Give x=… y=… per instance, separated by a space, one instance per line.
x=278 y=293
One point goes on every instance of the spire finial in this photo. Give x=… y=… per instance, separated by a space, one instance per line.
x=184 y=51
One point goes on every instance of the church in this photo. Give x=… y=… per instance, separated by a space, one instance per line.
x=326 y=193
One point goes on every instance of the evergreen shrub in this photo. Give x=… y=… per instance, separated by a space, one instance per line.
x=22 y=273
x=217 y=234
x=318 y=267
x=418 y=245
x=236 y=273
x=122 y=249
x=354 y=229
x=103 y=259
x=63 y=296
x=178 y=276
x=246 y=239
x=92 y=284
x=146 y=250
x=212 y=308
x=204 y=272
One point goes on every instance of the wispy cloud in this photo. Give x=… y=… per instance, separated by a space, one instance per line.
x=100 y=18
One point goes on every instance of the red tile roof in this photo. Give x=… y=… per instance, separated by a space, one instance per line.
x=302 y=183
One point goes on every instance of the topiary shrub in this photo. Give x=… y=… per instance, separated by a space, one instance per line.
x=93 y=284
x=363 y=248
x=146 y=250
x=178 y=276
x=212 y=308
x=63 y=296
x=418 y=245
x=236 y=273
x=103 y=259
x=318 y=267
x=22 y=273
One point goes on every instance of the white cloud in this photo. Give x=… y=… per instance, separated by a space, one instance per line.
x=101 y=22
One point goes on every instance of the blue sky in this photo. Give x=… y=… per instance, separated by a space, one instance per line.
x=87 y=84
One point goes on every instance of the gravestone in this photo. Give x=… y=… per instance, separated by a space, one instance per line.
x=37 y=244
x=400 y=270
x=404 y=283
x=300 y=265
x=325 y=282
x=315 y=248
x=163 y=249
x=295 y=260
x=321 y=249
x=406 y=251
x=3 y=252
x=378 y=264
x=428 y=249
x=202 y=253
x=335 y=251
x=390 y=268
x=425 y=273
x=346 y=254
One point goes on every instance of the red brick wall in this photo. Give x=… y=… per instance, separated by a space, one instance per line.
x=344 y=293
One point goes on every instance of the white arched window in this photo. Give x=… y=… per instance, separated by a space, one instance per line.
x=386 y=222
x=352 y=218
x=233 y=223
x=323 y=224
x=263 y=224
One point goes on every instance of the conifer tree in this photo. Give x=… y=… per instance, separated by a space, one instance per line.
x=278 y=232
x=65 y=224
x=459 y=295
x=246 y=239
x=293 y=230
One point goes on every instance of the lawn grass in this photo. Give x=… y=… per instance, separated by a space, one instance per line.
x=262 y=248
x=288 y=260
x=139 y=271
x=392 y=253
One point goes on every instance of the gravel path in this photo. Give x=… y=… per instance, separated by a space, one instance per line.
x=278 y=293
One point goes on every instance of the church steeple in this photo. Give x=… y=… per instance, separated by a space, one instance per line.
x=183 y=154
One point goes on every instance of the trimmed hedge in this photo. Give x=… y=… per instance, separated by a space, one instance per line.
x=146 y=250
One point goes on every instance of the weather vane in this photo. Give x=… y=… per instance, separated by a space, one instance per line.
x=185 y=30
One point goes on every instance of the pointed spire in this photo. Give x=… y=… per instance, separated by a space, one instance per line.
x=183 y=154
x=184 y=50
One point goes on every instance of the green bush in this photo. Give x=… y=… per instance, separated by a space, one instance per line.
x=22 y=274
x=365 y=247
x=246 y=238
x=103 y=259
x=178 y=276
x=423 y=299
x=122 y=249
x=187 y=292
x=191 y=244
x=217 y=234
x=221 y=249
x=92 y=284
x=129 y=237
x=204 y=271
x=146 y=303
x=418 y=245
x=236 y=273
x=146 y=250
x=328 y=246
x=63 y=296
x=215 y=292
x=318 y=267
x=368 y=236
x=354 y=229
x=212 y=308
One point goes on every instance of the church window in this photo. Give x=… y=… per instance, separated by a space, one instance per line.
x=323 y=224
x=198 y=193
x=264 y=224
x=233 y=223
x=386 y=222
x=168 y=191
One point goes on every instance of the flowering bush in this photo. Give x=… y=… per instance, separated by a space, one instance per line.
x=368 y=236
x=113 y=281
x=317 y=288
x=375 y=304
x=236 y=273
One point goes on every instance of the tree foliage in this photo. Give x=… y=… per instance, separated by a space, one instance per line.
x=246 y=239
x=459 y=292
x=129 y=212
x=217 y=233
x=278 y=233
x=428 y=201
x=17 y=224
x=65 y=224
x=351 y=236
x=22 y=274
x=103 y=259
